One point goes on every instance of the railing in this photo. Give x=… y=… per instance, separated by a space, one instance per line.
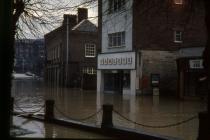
x=107 y=110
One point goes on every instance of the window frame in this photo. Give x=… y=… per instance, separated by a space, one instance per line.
x=89 y=45
x=89 y=70
x=116 y=40
x=115 y=6
x=178 y=36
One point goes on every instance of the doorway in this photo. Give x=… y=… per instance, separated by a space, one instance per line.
x=113 y=81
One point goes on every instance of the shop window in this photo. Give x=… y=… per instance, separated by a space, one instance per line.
x=126 y=80
x=90 y=50
x=116 y=5
x=178 y=36
x=116 y=39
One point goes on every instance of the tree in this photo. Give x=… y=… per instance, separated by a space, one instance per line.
x=28 y=11
x=15 y=16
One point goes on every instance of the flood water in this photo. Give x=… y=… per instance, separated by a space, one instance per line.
x=76 y=104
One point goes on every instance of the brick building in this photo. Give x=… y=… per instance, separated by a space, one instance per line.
x=29 y=56
x=71 y=52
x=144 y=41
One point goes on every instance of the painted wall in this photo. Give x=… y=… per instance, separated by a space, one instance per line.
x=117 y=22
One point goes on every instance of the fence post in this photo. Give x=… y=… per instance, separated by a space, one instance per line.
x=49 y=109
x=107 y=116
x=11 y=110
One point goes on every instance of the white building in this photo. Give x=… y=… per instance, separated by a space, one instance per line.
x=117 y=63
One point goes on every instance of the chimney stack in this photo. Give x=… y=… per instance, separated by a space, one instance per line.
x=72 y=20
x=82 y=14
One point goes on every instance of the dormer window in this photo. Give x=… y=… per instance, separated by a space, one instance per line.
x=116 y=5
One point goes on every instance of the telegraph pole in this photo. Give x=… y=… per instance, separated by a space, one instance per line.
x=67 y=49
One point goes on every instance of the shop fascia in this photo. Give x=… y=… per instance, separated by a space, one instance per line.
x=117 y=61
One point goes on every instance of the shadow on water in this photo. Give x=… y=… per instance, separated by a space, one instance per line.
x=77 y=104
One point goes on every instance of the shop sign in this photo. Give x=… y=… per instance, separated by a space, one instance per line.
x=196 y=64
x=126 y=60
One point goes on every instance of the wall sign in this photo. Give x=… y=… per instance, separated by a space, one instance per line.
x=126 y=60
x=196 y=64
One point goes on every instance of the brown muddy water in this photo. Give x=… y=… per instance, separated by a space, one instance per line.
x=76 y=104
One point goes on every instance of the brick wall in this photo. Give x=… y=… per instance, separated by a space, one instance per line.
x=162 y=63
x=156 y=20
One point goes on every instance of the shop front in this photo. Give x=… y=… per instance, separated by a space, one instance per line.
x=192 y=79
x=116 y=73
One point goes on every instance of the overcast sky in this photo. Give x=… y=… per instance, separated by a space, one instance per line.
x=92 y=14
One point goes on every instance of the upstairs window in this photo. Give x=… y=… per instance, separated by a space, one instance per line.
x=178 y=1
x=116 y=5
x=178 y=36
x=116 y=39
x=90 y=50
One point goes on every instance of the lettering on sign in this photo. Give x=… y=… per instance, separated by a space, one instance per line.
x=116 y=61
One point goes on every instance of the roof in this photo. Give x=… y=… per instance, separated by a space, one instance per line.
x=85 y=26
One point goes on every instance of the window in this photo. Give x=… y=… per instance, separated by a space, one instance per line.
x=178 y=1
x=116 y=5
x=178 y=36
x=89 y=70
x=90 y=50
x=116 y=39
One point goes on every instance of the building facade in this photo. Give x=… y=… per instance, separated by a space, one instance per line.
x=142 y=42
x=29 y=56
x=71 y=52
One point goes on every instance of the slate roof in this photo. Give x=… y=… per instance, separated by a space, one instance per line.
x=85 y=26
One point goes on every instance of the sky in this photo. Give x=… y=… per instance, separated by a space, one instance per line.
x=92 y=14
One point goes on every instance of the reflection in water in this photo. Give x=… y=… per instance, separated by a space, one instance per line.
x=150 y=110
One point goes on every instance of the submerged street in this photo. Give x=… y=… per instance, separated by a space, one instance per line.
x=154 y=111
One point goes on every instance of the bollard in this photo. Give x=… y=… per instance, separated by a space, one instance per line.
x=11 y=110
x=107 y=116
x=49 y=109
x=204 y=127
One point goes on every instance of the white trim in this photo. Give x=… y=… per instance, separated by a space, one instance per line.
x=180 y=35
x=92 y=50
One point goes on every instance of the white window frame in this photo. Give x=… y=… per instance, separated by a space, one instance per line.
x=178 y=36
x=116 y=40
x=90 y=50
x=89 y=70
x=178 y=2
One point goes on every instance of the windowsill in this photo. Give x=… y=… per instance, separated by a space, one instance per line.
x=114 y=47
x=178 y=41
x=89 y=56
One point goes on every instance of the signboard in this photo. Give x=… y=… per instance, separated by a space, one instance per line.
x=196 y=64
x=125 y=60
x=155 y=80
